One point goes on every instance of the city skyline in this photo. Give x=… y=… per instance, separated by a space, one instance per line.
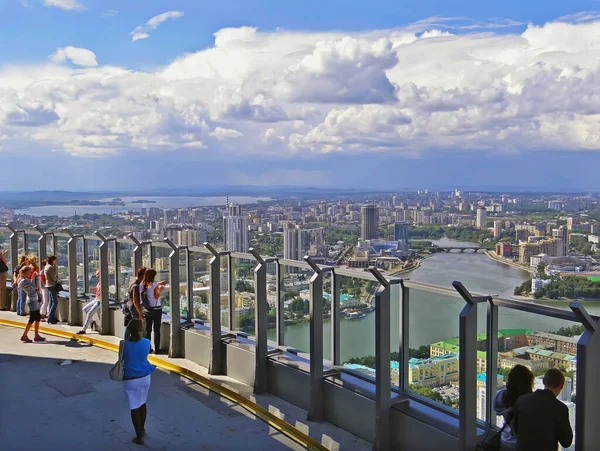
x=435 y=96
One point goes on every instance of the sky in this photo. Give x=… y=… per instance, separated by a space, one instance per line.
x=101 y=94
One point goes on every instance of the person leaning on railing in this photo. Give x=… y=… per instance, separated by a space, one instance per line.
x=15 y=282
x=51 y=271
x=150 y=292
x=4 y=304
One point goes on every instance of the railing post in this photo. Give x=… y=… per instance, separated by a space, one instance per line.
x=280 y=321
x=492 y=362
x=587 y=407
x=105 y=328
x=86 y=266
x=117 y=266
x=383 y=383
x=14 y=260
x=336 y=324
x=467 y=372
x=215 y=365
x=260 y=323
x=138 y=252
x=176 y=349
x=403 y=336
x=72 y=276
x=315 y=408
x=189 y=263
x=42 y=244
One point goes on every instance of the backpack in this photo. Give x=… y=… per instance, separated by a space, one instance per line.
x=144 y=297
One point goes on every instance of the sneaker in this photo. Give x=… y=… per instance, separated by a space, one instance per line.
x=26 y=340
x=39 y=338
x=81 y=332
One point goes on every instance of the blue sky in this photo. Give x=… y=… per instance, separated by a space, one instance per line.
x=336 y=93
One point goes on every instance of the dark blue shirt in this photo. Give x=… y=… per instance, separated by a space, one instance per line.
x=135 y=358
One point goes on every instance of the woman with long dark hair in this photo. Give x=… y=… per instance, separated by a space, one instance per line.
x=520 y=382
x=150 y=292
x=136 y=376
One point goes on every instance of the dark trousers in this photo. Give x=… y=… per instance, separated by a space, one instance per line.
x=153 y=319
x=53 y=304
x=129 y=314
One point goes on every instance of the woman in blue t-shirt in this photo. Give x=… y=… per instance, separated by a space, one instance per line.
x=136 y=376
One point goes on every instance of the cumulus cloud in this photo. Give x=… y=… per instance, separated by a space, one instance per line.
x=77 y=55
x=143 y=31
x=418 y=88
x=68 y=5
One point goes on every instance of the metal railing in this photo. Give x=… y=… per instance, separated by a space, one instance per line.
x=389 y=291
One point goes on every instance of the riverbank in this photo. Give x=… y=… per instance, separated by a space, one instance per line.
x=492 y=255
x=416 y=264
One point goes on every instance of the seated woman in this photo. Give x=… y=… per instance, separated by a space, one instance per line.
x=520 y=382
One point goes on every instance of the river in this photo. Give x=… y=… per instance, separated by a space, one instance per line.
x=131 y=204
x=434 y=317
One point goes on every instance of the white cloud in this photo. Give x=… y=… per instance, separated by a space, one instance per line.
x=68 y=5
x=283 y=92
x=110 y=13
x=77 y=55
x=225 y=133
x=142 y=31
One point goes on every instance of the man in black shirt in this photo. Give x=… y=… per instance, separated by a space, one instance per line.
x=542 y=421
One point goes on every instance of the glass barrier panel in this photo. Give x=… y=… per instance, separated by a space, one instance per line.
x=201 y=285
x=93 y=263
x=433 y=346
x=272 y=300
x=62 y=261
x=183 y=286
x=50 y=241
x=21 y=243
x=538 y=343
x=357 y=324
x=296 y=296
x=125 y=270
x=112 y=270
x=80 y=243
x=32 y=246
x=244 y=296
x=161 y=266
x=224 y=283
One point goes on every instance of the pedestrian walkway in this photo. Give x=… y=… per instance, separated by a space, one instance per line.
x=74 y=405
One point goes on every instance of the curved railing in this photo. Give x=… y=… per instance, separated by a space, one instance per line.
x=247 y=297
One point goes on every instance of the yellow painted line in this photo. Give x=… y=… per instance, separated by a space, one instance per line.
x=276 y=423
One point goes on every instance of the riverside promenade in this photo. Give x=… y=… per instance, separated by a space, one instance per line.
x=57 y=395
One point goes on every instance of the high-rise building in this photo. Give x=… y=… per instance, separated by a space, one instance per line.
x=185 y=236
x=497 y=229
x=481 y=221
x=401 y=231
x=235 y=229
x=290 y=241
x=562 y=235
x=369 y=229
x=298 y=242
x=526 y=251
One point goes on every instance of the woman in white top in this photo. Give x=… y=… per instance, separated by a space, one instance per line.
x=150 y=292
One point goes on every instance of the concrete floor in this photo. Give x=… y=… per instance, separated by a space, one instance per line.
x=47 y=406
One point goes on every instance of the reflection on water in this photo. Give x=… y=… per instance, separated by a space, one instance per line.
x=433 y=316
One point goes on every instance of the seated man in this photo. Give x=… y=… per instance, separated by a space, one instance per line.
x=541 y=421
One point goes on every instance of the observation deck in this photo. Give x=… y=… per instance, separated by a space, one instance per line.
x=236 y=321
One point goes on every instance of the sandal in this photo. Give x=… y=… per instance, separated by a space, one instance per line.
x=39 y=338
x=26 y=340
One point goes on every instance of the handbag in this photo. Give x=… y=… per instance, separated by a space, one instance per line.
x=492 y=440
x=116 y=372
x=58 y=287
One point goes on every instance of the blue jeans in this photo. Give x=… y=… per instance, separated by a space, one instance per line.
x=21 y=297
x=53 y=304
